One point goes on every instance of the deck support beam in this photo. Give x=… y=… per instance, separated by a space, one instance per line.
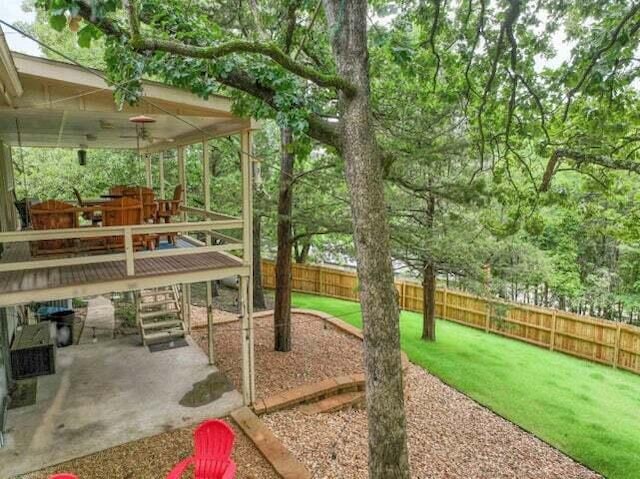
x=147 y=170
x=187 y=313
x=248 y=372
x=183 y=306
x=206 y=186
x=246 y=283
x=182 y=179
x=161 y=174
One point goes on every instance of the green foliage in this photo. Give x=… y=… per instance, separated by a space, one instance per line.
x=53 y=173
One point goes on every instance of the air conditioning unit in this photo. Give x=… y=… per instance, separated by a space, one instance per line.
x=33 y=352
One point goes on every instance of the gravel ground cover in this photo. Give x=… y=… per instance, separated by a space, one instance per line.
x=199 y=316
x=319 y=352
x=153 y=458
x=450 y=435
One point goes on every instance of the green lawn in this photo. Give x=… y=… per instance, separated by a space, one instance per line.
x=589 y=411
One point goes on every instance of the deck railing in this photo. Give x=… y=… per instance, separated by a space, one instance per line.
x=128 y=232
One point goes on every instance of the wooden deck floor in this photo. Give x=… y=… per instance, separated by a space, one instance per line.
x=80 y=278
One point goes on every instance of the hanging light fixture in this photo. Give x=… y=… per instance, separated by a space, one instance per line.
x=141 y=121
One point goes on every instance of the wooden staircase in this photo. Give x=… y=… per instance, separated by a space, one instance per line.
x=159 y=315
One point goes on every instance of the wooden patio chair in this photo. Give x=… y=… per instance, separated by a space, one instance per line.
x=117 y=189
x=147 y=197
x=125 y=211
x=170 y=208
x=94 y=217
x=51 y=215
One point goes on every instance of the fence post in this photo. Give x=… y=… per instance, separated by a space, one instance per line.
x=487 y=320
x=552 y=340
x=403 y=295
x=616 y=351
x=321 y=287
x=444 y=305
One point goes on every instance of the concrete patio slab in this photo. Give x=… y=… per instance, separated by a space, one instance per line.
x=110 y=393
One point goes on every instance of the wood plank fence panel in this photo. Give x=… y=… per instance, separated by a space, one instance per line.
x=601 y=341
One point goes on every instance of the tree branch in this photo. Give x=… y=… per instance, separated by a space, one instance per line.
x=320 y=129
x=215 y=52
x=581 y=158
x=596 y=56
x=311 y=171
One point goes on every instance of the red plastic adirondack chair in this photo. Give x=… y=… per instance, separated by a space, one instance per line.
x=63 y=475
x=213 y=441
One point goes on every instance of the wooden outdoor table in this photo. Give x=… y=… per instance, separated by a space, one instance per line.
x=88 y=209
x=95 y=201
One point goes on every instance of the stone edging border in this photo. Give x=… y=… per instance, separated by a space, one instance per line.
x=322 y=389
x=276 y=454
x=309 y=393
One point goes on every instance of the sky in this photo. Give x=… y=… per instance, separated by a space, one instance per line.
x=11 y=12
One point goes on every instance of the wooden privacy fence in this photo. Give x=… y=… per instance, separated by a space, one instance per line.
x=598 y=340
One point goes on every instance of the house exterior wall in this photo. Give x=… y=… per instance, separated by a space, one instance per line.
x=8 y=213
x=8 y=323
x=8 y=316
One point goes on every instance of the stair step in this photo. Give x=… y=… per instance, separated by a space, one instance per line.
x=162 y=324
x=334 y=403
x=159 y=314
x=164 y=335
x=148 y=304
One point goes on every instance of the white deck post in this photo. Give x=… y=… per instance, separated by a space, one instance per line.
x=182 y=178
x=147 y=170
x=128 y=250
x=183 y=306
x=161 y=174
x=247 y=255
x=188 y=303
x=206 y=184
x=247 y=372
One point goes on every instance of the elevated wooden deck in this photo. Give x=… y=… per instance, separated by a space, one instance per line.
x=61 y=282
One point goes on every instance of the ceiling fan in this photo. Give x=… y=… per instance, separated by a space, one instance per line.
x=142 y=133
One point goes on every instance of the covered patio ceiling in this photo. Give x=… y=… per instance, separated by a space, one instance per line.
x=46 y=103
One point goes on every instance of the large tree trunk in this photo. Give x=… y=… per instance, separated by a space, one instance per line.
x=282 y=307
x=258 y=292
x=388 y=456
x=429 y=280
x=429 y=302
x=301 y=250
